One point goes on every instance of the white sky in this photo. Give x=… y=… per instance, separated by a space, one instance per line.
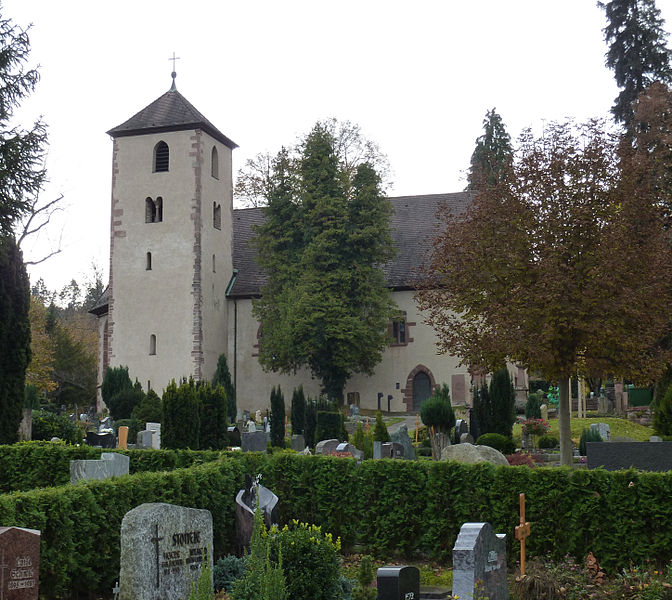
x=417 y=77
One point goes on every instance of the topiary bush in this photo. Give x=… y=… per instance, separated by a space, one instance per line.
x=548 y=441
x=310 y=561
x=497 y=441
x=588 y=435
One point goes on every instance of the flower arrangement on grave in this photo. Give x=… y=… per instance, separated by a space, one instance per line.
x=536 y=427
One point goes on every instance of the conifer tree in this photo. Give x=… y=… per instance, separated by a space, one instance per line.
x=180 y=423
x=325 y=304
x=298 y=411
x=222 y=377
x=380 y=433
x=492 y=155
x=213 y=406
x=14 y=337
x=637 y=51
x=503 y=400
x=277 y=418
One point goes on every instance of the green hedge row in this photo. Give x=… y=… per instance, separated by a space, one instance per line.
x=30 y=465
x=392 y=508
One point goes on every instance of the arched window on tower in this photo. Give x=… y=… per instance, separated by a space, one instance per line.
x=148 y=264
x=153 y=210
x=159 y=209
x=152 y=344
x=214 y=166
x=217 y=215
x=161 y=157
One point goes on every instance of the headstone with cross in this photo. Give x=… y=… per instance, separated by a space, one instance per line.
x=163 y=548
x=19 y=563
x=522 y=531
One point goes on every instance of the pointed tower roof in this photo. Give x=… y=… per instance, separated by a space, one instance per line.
x=170 y=112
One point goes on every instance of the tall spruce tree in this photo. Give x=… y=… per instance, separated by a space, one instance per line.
x=222 y=377
x=298 y=411
x=503 y=402
x=493 y=153
x=14 y=337
x=277 y=417
x=325 y=305
x=637 y=51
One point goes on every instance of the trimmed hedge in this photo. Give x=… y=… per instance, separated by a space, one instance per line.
x=392 y=508
x=28 y=465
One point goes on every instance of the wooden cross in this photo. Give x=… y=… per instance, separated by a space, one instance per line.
x=522 y=531
x=155 y=540
x=368 y=427
x=417 y=426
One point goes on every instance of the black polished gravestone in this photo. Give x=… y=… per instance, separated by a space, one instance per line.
x=398 y=583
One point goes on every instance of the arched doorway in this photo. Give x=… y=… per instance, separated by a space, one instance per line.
x=422 y=389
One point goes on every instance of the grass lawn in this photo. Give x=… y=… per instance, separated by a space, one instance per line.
x=619 y=428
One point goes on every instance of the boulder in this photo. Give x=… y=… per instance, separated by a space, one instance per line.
x=470 y=454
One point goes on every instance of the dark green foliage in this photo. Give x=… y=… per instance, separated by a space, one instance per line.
x=310 y=424
x=298 y=410
x=533 y=406
x=380 y=433
x=226 y=571
x=326 y=234
x=588 y=435
x=662 y=410
x=503 y=401
x=47 y=425
x=492 y=155
x=115 y=380
x=222 y=376
x=365 y=575
x=14 y=321
x=329 y=426
x=437 y=411
x=122 y=404
x=481 y=412
x=22 y=168
x=180 y=422
x=31 y=398
x=310 y=561
x=212 y=418
x=149 y=410
x=363 y=441
x=548 y=442
x=637 y=52
x=497 y=441
x=277 y=418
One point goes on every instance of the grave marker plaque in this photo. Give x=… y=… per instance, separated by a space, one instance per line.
x=398 y=583
x=163 y=547
x=19 y=563
x=479 y=563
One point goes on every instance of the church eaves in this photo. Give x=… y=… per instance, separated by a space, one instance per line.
x=170 y=112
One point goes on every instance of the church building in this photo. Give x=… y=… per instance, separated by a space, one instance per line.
x=183 y=274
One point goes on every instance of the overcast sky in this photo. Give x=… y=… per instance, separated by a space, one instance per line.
x=418 y=79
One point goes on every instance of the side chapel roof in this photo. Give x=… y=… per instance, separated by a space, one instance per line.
x=414 y=225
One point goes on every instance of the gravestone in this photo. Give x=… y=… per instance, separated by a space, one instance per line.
x=123 y=437
x=111 y=464
x=603 y=405
x=253 y=441
x=655 y=438
x=233 y=436
x=19 y=563
x=460 y=428
x=401 y=437
x=479 y=563
x=354 y=410
x=603 y=429
x=346 y=448
x=163 y=547
x=398 y=583
x=326 y=446
x=298 y=442
x=144 y=439
x=101 y=440
x=377 y=450
x=544 y=411
x=646 y=456
x=156 y=438
x=466 y=438
x=392 y=450
x=247 y=500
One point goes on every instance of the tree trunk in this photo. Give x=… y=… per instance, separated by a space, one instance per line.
x=566 y=455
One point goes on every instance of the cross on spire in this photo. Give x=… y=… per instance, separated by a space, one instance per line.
x=174 y=74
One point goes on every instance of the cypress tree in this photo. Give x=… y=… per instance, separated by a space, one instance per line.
x=310 y=424
x=493 y=153
x=503 y=399
x=14 y=337
x=277 y=418
x=483 y=414
x=637 y=51
x=298 y=411
x=380 y=433
x=180 y=425
x=222 y=377
x=213 y=407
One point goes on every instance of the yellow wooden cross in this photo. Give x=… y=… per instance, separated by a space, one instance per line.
x=417 y=426
x=522 y=531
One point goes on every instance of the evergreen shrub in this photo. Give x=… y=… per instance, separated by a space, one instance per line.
x=497 y=441
x=180 y=419
x=548 y=442
x=277 y=418
x=588 y=435
x=226 y=571
x=149 y=409
x=329 y=426
x=213 y=433
x=380 y=433
x=47 y=425
x=134 y=425
x=298 y=411
x=533 y=406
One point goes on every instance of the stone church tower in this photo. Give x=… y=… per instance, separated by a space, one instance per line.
x=171 y=244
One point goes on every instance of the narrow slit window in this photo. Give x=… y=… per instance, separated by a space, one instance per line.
x=217 y=215
x=213 y=264
x=159 y=210
x=152 y=344
x=161 y=157
x=214 y=167
x=148 y=264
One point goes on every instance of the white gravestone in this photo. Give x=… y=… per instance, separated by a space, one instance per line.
x=111 y=464
x=156 y=438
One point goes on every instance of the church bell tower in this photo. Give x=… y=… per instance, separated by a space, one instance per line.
x=170 y=243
